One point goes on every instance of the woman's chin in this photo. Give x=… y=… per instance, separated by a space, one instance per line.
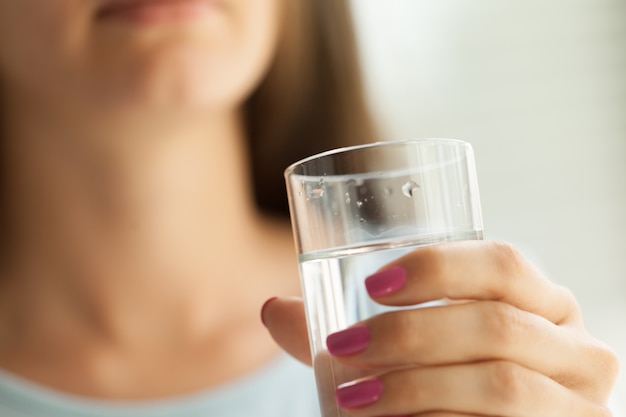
x=184 y=74
x=173 y=85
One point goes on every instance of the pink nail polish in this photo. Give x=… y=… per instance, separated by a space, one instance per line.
x=386 y=282
x=349 y=341
x=359 y=394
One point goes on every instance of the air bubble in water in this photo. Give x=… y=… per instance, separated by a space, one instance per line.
x=410 y=188
x=317 y=193
x=348 y=199
x=359 y=203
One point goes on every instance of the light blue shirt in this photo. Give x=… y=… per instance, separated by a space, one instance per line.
x=283 y=388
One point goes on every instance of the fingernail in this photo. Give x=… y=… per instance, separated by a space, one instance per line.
x=265 y=304
x=359 y=394
x=386 y=282
x=349 y=341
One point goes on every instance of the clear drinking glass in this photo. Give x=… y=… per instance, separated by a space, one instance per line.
x=356 y=209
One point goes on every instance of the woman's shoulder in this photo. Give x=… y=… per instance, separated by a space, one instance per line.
x=283 y=387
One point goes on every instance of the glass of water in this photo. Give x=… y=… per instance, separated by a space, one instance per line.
x=356 y=209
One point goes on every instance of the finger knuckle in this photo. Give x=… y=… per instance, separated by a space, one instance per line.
x=570 y=300
x=504 y=324
x=506 y=383
x=400 y=327
x=508 y=260
x=605 y=412
x=606 y=363
x=612 y=363
x=601 y=411
x=405 y=389
x=432 y=261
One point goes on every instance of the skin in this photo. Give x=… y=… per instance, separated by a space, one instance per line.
x=117 y=140
x=128 y=192
x=513 y=344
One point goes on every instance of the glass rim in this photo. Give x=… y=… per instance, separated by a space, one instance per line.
x=292 y=167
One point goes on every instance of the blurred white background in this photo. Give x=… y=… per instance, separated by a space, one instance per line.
x=539 y=88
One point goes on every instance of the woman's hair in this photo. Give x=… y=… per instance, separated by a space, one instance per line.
x=311 y=100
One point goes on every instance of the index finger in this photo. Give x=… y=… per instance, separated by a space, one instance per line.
x=472 y=270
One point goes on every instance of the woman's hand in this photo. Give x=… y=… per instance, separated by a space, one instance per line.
x=511 y=343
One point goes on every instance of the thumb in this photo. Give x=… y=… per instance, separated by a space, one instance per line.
x=285 y=319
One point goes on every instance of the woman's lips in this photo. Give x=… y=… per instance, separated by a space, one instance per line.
x=157 y=11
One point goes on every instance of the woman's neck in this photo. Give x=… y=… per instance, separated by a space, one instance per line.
x=146 y=240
